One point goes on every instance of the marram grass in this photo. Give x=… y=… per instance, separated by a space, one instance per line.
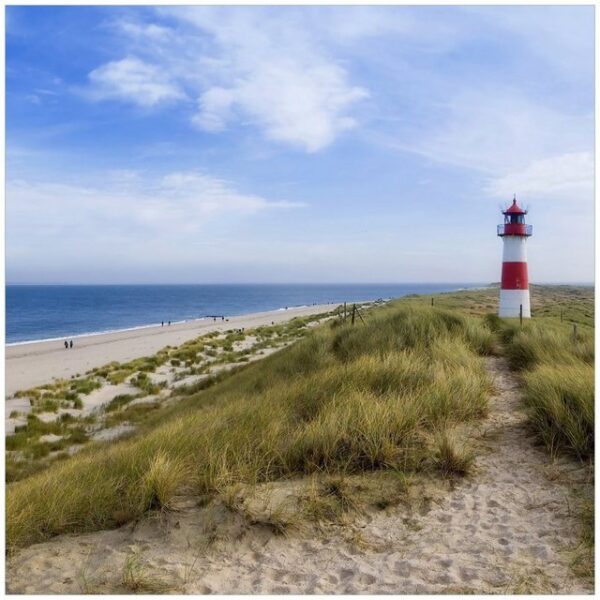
x=557 y=368
x=342 y=400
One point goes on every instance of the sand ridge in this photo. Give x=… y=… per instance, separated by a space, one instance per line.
x=508 y=528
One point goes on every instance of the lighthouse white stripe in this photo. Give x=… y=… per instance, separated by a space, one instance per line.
x=511 y=300
x=514 y=249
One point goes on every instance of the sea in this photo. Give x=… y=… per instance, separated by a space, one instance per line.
x=47 y=312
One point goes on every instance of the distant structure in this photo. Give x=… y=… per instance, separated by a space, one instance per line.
x=514 y=289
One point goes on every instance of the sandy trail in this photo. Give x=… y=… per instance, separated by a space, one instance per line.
x=506 y=529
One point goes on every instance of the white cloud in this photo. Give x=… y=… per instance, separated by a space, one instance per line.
x=133 y=80
x=129 y=224
x=298 y=104
x=214 y=109
x=130 y=201
x=260 y=67
x=275 y=73
x=568 y=177
x=144 y=31
x=497 y=131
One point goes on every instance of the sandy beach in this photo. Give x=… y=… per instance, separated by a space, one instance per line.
x=32 y=364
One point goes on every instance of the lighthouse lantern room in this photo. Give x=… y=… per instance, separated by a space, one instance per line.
x=514 y=288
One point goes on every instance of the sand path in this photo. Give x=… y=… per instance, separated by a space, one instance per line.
x=508 y=528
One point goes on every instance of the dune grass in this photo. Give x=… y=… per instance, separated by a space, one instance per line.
x=557 y=370
x=553 y=354
x=376 y=396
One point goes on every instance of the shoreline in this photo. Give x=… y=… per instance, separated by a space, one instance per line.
x=32 y=364
x=69 y=336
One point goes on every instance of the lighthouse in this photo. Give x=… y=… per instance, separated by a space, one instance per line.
x=514 y=289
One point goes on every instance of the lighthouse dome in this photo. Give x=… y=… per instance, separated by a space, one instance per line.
x=514 y=209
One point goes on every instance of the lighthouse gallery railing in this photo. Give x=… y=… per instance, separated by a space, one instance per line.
x=515 y=229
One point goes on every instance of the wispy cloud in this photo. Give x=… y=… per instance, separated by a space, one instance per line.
x=133 y=80
x=494 y=130
x=567 y=177
x=132 y=201
x=253 y=67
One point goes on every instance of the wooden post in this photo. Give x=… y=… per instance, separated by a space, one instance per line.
x=353 y=313
x=432 y=301
x=344 y=311
x=521 y=315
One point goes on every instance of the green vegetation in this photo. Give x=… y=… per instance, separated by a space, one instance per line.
x=557 y=370
x=350 y=414
x=344 y=400
x=554 y=355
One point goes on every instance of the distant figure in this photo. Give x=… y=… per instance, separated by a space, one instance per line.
x=223 y=318
x=71 y=344
x=66 y=344
x=169 y=322
x=162 y=323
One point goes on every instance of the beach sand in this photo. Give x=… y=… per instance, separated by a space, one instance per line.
x=33 y=364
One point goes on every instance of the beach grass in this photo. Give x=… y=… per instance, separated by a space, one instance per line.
x=557 y=370
x=380 y=396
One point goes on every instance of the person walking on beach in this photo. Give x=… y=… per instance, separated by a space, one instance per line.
x=66 y=345
x=162 y=323
x=71 y=344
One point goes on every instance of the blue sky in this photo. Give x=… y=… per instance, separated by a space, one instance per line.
x=284 y=144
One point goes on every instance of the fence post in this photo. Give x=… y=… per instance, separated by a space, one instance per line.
x=353 y=313
x=344 y=311
x=432 y=301
x=521 y=315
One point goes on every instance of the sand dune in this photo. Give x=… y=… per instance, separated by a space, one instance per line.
x=508 y=528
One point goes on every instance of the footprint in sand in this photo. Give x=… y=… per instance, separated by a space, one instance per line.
x=366 y=579
x=402 y=568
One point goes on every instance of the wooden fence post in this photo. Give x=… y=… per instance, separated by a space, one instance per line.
x=521 y=315
x=353 y=313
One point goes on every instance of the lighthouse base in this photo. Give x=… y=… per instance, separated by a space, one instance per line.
x=511 y=302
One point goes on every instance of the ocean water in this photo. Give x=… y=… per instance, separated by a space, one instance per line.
x=38 y=312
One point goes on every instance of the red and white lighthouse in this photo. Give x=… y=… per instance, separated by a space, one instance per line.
x=514 y=289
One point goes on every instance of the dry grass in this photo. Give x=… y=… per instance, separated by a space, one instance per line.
x=342 y=400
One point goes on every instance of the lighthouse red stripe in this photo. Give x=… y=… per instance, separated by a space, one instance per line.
x=514 y=276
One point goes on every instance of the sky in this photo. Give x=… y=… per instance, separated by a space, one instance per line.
x=296 y=144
